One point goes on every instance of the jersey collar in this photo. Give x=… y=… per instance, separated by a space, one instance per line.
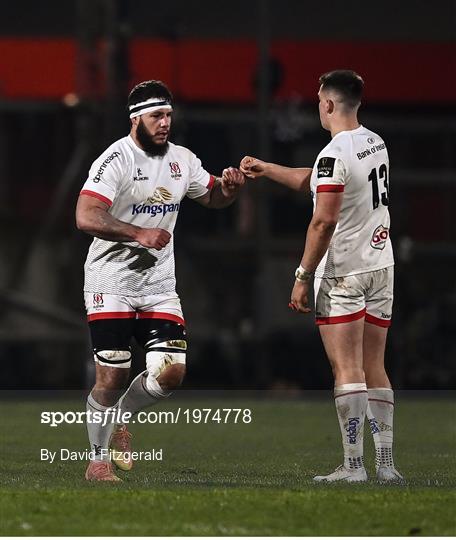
x=351 y=131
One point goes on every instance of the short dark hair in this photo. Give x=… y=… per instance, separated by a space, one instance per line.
x=347 y=83
x=149 y=89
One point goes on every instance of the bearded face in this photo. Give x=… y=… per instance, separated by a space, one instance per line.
x=153 y=138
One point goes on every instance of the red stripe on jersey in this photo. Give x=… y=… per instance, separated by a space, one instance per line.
x=158 y=315
x=97 y=196
x=341 y=318
x=210 y=185
x=384 y=323
x=112 y=315
x=334 y=188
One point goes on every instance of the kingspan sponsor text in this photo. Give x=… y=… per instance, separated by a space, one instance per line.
x=154 y=209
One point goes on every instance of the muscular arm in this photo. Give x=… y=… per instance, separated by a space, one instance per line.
x=215 y=197
x=321 y=229
x=224 y=191
x=297 y=178
x=319 y=234
x=93 y=218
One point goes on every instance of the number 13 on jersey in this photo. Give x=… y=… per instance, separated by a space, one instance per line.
x=374 y=178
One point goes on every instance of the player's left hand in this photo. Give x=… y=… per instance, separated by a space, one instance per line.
x=253 y=167
x=232 y=180
x=299 y=301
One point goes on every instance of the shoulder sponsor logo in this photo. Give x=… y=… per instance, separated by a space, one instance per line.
x=103 y=166
x=371 y=140
x=157 y=203
x=175 y=170
x=371 y=150
x=379 y=237
x=139 y=176
x=325 y=167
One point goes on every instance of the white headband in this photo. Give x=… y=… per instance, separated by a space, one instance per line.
x=149 y=105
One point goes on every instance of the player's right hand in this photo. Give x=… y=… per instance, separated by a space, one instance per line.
x=153 y=238
x=252 y=167
x=299 y=297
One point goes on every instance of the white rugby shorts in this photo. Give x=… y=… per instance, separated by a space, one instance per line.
x=111 y=306
x=345 y=299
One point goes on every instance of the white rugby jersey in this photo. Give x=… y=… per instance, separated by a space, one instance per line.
x=356 y=162
x=147 y=192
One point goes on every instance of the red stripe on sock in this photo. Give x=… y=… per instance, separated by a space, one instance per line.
x=349 y=393
x=382 y=401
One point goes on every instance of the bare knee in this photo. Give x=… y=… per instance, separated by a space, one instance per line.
x=347 y=369
x=346 y=374
x=110 y=384
x=376 y=376
x=171 y=378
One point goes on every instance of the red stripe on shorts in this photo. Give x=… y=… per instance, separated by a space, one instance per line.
x=384 y=323
x=112 y=315
x=158 y=315
x=334 y=188
x=98 y=196
x=341 y=318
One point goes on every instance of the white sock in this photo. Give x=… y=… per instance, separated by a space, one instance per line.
x=351 y=405
x=143 y=392
x=380 y=411
x=99 y=434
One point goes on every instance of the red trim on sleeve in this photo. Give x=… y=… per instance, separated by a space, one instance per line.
x=384 y=323
x=335 y=188
x=158 y=315
x=341 y=318
x=97 y=196
x=210 y=185
x=112 y=315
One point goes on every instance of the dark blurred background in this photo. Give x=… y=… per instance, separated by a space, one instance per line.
x=245 y=79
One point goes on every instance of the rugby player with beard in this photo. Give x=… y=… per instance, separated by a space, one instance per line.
x=129 y=204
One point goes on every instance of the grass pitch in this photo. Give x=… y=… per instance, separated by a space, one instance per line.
x=230 y=479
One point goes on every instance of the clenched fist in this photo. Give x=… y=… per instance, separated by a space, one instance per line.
x=232 y=181
x=253 y=167
x=153 y=238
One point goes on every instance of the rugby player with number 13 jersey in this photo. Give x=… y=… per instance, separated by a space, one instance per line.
x=348 y=249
